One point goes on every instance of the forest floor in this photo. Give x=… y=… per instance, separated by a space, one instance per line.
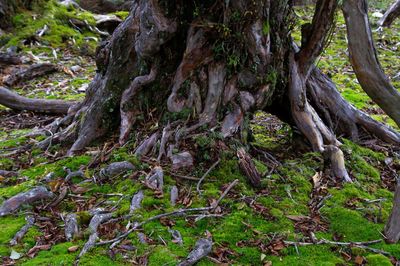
x=297 y=200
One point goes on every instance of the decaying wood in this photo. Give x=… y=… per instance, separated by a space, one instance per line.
x=71 y=226
x=95 y=222
x=364 y=59
x=16 y=102
x=136 y=202
x=174 y=195
x=30 y=73
x=155 y=179
x=29 y=197
x=248 y=167
x=146 y=145
x=182 y=160
x=115 y=169
x=202 y=248
x=390 y=15
x=30 y=221
x=392 y=228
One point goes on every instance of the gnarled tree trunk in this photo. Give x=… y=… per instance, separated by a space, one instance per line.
x=191 y=65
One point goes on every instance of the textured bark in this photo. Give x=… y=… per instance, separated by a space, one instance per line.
x=164 y=61
x=392 y=228
x=390 y=15
x=365 y=61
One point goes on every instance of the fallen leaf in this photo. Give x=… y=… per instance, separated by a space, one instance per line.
x=15 y=255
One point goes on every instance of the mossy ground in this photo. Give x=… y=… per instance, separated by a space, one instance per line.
x=244 y=230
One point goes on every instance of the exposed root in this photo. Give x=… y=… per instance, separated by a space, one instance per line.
x=174 y=195
x=127 y=112
x=71 y=226
x=136 y=202
x=202 y=248
x=364 y=59
x=30 y=221
x=115 y=169
x=146 y=145
x=29 y=197
x=95 y=222
x=336 y=158
x=14 y=101
x=10 y=59
x=341 y=115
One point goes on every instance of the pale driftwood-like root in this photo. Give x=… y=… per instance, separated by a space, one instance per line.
x=127 y=111
x=147 y=145
x=115 y=169
x=202 y=248
x=392 y=228
x=136 y=202
x=390 y=15
x=174 y=194
x=344 y=118
x=95 y=222
x=71 y=226
x=364 y=59
x=155 y=179
x=14 y=101
x=336 y=158
x=30 y=221
x=181 y=160
x=30 y=73
x=29 y=197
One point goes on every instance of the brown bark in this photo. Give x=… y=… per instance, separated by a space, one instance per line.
x=390 y=15
x=365 y=61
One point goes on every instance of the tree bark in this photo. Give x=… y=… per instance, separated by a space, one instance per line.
x=390 y=15
x=392 y=228
x=365 y=61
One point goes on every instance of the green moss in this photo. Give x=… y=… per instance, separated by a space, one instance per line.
x=378 y=260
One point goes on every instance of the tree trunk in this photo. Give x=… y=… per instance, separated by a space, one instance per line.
x=390 y=15
x=186 y=66
x=392 y=228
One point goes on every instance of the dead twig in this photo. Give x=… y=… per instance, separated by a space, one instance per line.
x=205 y=174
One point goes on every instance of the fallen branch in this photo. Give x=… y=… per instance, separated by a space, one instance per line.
x=362 y=245
x=17 y=102
x=173 y=213
x=205 y=174
x=9 y=59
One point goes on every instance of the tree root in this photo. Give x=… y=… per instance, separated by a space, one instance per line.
x=29 y=197
x=127 y=113
x=248 y=167
x=20 y=103
x=201 y=249
x=71 y=226
x=30 y=221
x=364 y=59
